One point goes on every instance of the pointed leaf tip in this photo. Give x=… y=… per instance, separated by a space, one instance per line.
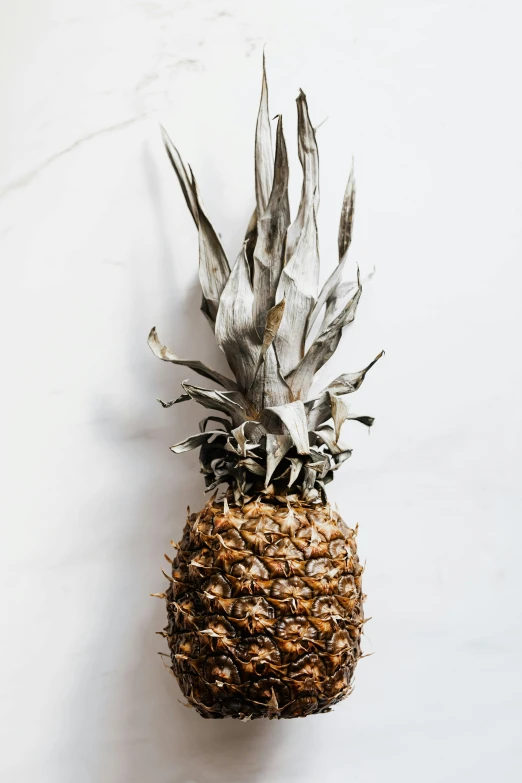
x=263 y=148
x=347 y=215
x=214 y=268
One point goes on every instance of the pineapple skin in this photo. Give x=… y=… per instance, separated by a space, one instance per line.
x=265 y=609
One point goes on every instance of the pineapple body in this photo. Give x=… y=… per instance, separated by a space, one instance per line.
x=265 y=610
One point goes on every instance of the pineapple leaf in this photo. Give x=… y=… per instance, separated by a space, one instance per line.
x=270 y=388
x=276 y=448
x=236 y=334
x=232 y=403
x=334 y=446
x=323 y=347
x=203 y=423
x=214 y=268
x=170 y=403
x=341 y=413
x=347 y=213
x=272 y=226
x=320 y=410
x=335 y=301
x=164 y=353
x=298 y=285
x=309 y=158
x=273 y=322
x=240 y=434
x=293 y=416
x=183 y=175
x=195 y=440
x=263 y=149
x=331 y=292
x=295 y=469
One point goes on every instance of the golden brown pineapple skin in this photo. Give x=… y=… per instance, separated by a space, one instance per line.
x=265 y=610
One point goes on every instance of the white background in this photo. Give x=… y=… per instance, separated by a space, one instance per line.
x=97 y=246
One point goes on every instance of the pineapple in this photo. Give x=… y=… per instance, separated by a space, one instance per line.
x=265 y=604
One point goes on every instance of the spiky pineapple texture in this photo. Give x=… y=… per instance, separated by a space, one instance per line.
x=265 y=598
x=262 y=312
x=265 y=610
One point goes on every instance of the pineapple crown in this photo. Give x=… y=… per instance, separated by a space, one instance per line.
x=272 y=439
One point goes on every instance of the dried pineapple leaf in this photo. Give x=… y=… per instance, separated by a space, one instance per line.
x=214 y=268
x=183 y=174
x=203 y=423
x=347 y=213
x=276 y=448
x=309 y=158
x=256 y=432
x=329 y=290
x=181 y=398
x=344 y=384
x=273 y=322
x=335 y=301
x=232 y=403
x=341 y=413
x=235 y=330
x=252 y=466
x=334 y=446
x=298 y=285
x=309 y=477
x=272 y=225
x=269 y=387
x=195 y=440
x=296 y=465
x=164 y=353
x=350 y=382
x=293 y=416
x=263 y=149
x=323 y=347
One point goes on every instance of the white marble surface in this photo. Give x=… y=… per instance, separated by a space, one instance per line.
x=97 y=246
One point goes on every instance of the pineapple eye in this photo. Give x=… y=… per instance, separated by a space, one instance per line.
x=187 y=644
x=284 y=550
x=326 y=607
x=317 y=566
x=251 y=607
x=232 y=540
x=218 y=626
x=290 y=588
x=221 y=667
x=346 y=585
x=262 y=690
x=293 y=628
x=339 y=548
x=339 y=642
x=258 y=649
x=250 y=566
x=218 y=585
x=309 y=666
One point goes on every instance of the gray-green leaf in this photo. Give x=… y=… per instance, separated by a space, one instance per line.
x=263 y=149
x=309 y=158
x=195 y=440
x=214 y=268
x=164 y=353
x=235 y=330
x=232 y=403
x=298 y=285
x=323 y=347
x=272 y=225
x=293 y=416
